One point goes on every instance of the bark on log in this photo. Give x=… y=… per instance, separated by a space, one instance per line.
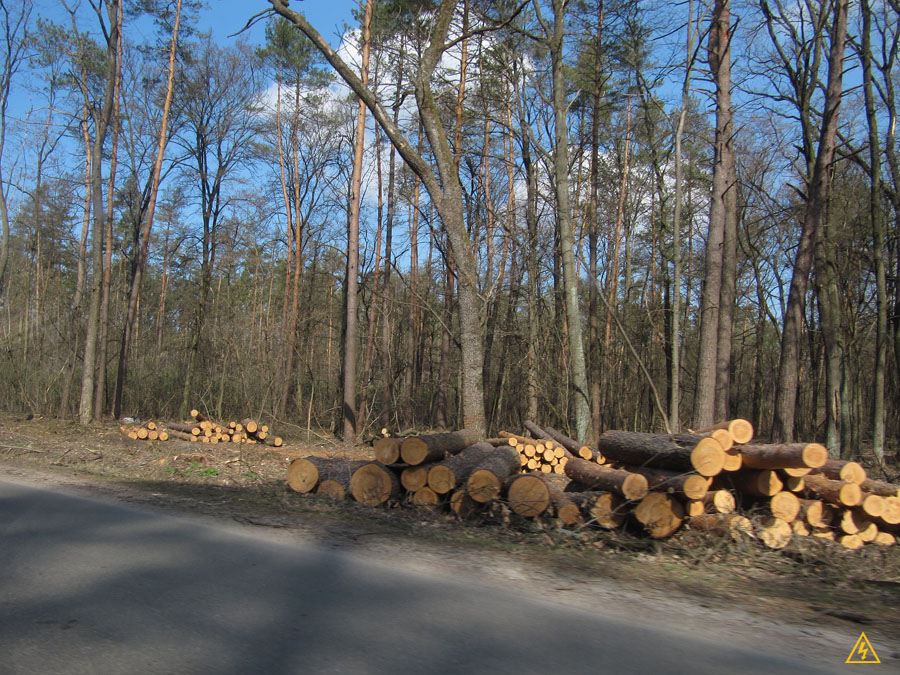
x=191 y=429
x=836 y=492
x=682 y=452
x=784 y=456
x=435 y=447
x=837 y=469
x=577 y=449
x=880 y=487
x=660 y=514
x=305 y=473
x=624 y=483
x=373 y=484
x=603 y=509
x=690 y=485
x=387 y=450
x=446 y=476
x=732 y=524
x=486 y=480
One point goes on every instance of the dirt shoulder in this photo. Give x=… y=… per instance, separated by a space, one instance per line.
x=813 y=595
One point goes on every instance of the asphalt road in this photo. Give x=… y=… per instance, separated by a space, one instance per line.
x=88 y=586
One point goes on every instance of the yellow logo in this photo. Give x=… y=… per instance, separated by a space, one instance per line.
x=863 y=652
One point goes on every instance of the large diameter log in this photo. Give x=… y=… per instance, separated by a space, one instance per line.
x=741 y=430
x=387 y=450
x=305 y=473
x=660 y=514
x=425 y=498
x=249 y=425
x=774 y=532
x=785 y=506
x=881 y=488
x=784 y=456
x=836 y=492
x=690 y=485
x=890 y=514
x=435 y=447
x=682 y=452
x=719 y=501
x=623 y=483
x=444 y=477
x=373 y=484
x=528 y=495
x=732 y=524
x=885 y=539
x=838 y=469
x=486 y=480
x=873 y=505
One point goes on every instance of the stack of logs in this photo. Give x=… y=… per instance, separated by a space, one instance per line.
x=712 y=480
x=202 y=430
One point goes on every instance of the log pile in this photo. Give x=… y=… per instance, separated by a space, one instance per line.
x=713 y=480
x=202 y=430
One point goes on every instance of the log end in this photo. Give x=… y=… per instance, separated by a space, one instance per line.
x=708 y=457
x=483 y=486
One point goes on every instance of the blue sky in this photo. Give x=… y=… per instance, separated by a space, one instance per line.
x=224 y=17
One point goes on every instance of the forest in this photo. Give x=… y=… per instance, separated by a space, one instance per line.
x=595 y=214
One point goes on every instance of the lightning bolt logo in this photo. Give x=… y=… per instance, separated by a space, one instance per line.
x=863 y=652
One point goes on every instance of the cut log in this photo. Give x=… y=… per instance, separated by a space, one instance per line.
x=764 y=483
x=250 y=426
x=444 y=477
x=516 y=439
x=851 y=541
x=719 y=501
x=885 y=539
x=836 y=492
x=890 y=515
x=435 y=447
x=800 y=528
x=603 y=509
x=732 y=524
x=881 y=488
x=793 y=483
x=387 y=450
x=868 y=532
x=425 y=498
x=784 y=456
x=741 y=430
x=373 y=484
x=623 y=483
x=774 y=532
x=837 y=469
x=660 y=514
x=274 y=441
x=414 y=478
x=681 y=452
x=873 y=505
x=694 y=508
x=690 y=485
x=816 y=513
x=143 y=433
x=197 y=415
x=528 y=495
x=487 y=478
x=304 y=473
x=332 y=489
x=726 y=440
x=733 y=460
x=785 y=506
x=853 y=521
x=798 y=472
x=822 y=533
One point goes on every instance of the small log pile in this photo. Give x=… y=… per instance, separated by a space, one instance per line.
x=202 y=430
x=713 y=480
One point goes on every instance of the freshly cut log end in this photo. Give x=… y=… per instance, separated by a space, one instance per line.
x=885 y=539
x=800 y=528
x=837 y=469
x=483 y=486
x=387 y=450
x=853 y=521
x=774 y=532
x=331 y=489
x=891 y=512
x=823 y=533
x=785 y=506
x=528 y=496
x=734 y=460
x=603 y=509
x=793 y=483
x=868 y=532
x=660 y=514
x=851 y=541
x=765 y=483
x=143 y=433
x=720 y=501
x=487 y=478
x=797 y=472
x=373 y=484
x=708 y=457
x=873 y=505
x=447 y=475
x=303 y=475
x=414 y=478
x=741 y=430
x=726 y=440
x=732 y=524
x=251 y=426
x=816 y=513
x=694 y=508
x=425 y=498
x=834 y=491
